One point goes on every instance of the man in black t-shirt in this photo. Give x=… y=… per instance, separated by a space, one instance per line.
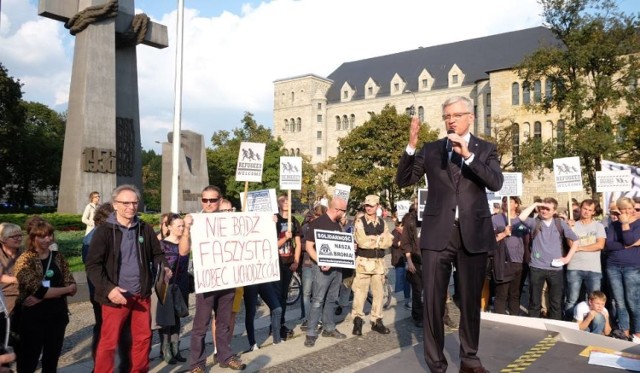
x=327 y=280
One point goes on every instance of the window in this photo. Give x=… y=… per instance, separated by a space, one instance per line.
x=352 y=121
x=454 y=79
x=319 y=118
x=286 y=125
x=488 y=99
x=292 y=125
x=319 y=150
x=291 y=151
x=560 y=134
x=299 y=124
x=337 y=123
x=515 y=143
x=345 y=95
x=515 y=94
x=548 y=89
x=293 y=97
x=286 y=151
x=319 y=135
x=396 y=87
x=370 y=91
x=537 y=131
x=345 y=122
x=297 y=152
x=421 y=114
x=319 y=105
x=425 y=83
x=526 y=94
x=487 y=125
x=537 y=91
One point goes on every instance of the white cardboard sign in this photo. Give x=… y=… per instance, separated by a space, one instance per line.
x=261 y=200
x=233 y=249
x=250 y=162
x=512 y=185
x=290 y=173
x=335 y=249
x=342 y=191
x=613 y=181
x=568 y=174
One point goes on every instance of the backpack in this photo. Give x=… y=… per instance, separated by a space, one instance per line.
x=566 y=244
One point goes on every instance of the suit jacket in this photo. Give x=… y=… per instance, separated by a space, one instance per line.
x=444 y=195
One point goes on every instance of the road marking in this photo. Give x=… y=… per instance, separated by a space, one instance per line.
x=529 y=357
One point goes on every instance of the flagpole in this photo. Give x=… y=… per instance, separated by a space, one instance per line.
x=177 y=113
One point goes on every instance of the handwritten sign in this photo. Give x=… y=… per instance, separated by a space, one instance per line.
x=335 y=249
x=290 y=173
x=613 y=181
x=342 y=191
x=233 y=249
x=568 y=174
x=261 y=201
x=512 y=185
x=402 y=208
x=250 y=161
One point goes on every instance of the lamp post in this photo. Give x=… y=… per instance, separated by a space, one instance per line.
x=177 y=113
x=412 y=108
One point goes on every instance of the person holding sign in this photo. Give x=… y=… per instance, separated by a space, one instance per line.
x=373 y=237
x=456 y=225
x=289 y=250
x=326 y=280
x=220 y=301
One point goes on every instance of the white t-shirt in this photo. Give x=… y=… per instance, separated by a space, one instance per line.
x=582 y=310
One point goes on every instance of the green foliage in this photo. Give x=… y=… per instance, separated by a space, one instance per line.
x=152 y=180
x=595 y=72
x=369 y=156
x=223 y=158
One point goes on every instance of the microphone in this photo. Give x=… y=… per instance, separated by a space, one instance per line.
x=449 y=147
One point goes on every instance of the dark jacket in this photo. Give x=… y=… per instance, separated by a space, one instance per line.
x=410 y=237
x=103 y=260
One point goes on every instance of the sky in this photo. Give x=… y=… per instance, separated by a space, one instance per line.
x=234 y=50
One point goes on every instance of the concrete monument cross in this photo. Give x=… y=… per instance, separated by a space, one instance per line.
x=102 y=139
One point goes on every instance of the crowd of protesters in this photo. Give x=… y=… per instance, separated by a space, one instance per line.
x=584 y=269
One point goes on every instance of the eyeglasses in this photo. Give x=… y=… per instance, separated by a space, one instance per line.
x=210 y=200
x=616 y=213
x=454 y=116
x=16 y=236
x=128 y=203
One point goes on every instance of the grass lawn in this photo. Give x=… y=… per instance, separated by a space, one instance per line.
x=70 y=245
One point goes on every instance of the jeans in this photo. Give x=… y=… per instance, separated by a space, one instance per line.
x=625 y=285
x=575 y=278
x=268 y=295
x=598 y=324
x=282 y=288
x=307 y=286
x=555 y=284
x=326 y=286
x=401 y=282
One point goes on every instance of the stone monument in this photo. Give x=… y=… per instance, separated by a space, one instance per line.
x=193 y=175
x=102 y=140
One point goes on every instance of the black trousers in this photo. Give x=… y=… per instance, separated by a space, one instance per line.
x=40 y=337
x=415 y=279
x=436 y=273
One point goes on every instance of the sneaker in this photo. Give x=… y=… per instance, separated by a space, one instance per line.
x=304 y=326
x=254 y=347
x=234 y=364
x=635 y=339
x=285 y=332
x=320 y=326
x=379 y=327
x=310 y=341
x=333 y=334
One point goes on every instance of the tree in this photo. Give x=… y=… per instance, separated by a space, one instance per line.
x=593 y=74
x=223 y=157
x=369 y=156
x=11 y=119
x=152 y=180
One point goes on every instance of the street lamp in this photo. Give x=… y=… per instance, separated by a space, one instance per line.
x=412 y=108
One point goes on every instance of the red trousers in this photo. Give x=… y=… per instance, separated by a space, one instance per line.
x=112 y=320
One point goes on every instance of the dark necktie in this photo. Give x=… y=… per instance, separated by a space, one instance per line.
x=456 y=167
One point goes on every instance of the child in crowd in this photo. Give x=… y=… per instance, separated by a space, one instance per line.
x=592 y=316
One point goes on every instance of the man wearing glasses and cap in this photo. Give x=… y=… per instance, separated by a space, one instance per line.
x=372 y=237
x=220 y=301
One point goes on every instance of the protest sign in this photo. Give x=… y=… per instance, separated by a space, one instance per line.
x=250 y=161
x=232 y=250
x=335 y=249
x=512 y=185
x=260 y=201
x=568 y=174
x=402 y=208
x=342 y=191
x=613 y=181
x=290 y=173
x=422 y=201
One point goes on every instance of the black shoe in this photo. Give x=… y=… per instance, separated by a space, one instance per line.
x=379 y=327
x=338 y=311
x=334 y=334
x=310 y=341
x=357 y=326
x=418 y=323
x=285 y=332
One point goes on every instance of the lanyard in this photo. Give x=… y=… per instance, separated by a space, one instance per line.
x=48 y=273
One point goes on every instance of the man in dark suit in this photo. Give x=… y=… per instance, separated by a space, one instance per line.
x=456 y=226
